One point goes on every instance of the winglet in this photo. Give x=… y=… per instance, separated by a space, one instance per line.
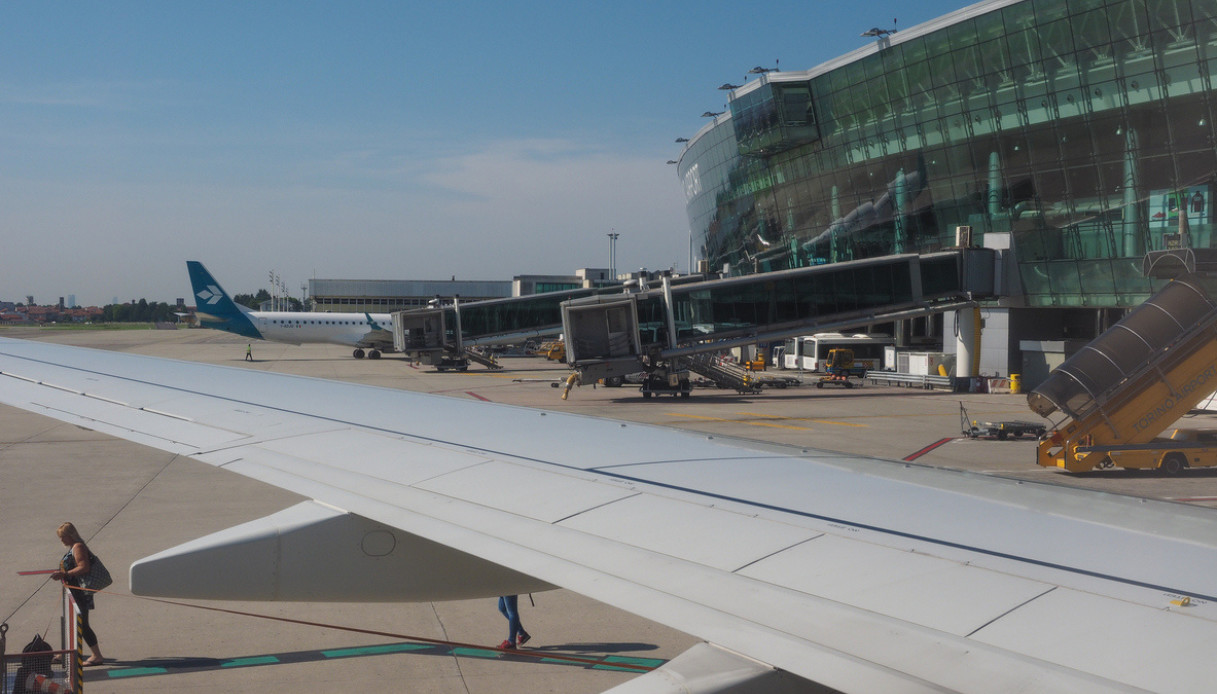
x=214 y=307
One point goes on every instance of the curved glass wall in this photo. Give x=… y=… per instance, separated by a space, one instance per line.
x=1082 y=128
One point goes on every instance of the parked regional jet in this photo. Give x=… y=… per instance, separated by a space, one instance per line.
x=370 y=331
x=793 y=565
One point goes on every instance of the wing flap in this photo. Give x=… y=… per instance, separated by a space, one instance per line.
x=380 y=456
x=148 y=426
x=949 y=596
x=526 y=491
x=693 y=532
x=1140 y=645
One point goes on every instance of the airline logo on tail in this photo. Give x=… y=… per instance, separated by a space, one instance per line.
x=210 y=295
x=215 y=309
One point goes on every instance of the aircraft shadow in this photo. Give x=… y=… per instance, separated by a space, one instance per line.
x=156 y=667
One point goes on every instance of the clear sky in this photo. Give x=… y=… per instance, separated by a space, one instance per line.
x=367 y=140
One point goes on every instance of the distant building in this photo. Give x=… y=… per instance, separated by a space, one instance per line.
x=383 y=296
x=584 y=278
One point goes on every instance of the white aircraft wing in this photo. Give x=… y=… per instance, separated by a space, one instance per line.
x=793 y=565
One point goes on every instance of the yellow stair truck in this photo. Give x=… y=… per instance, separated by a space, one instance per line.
x=1132 y=382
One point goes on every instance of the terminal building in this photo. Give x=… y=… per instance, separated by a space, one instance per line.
x=385 y=296
x=1072 y=136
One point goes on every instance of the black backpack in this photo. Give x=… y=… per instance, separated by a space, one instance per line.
x=32 y=663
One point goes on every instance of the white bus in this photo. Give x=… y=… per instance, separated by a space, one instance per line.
x=809 y=352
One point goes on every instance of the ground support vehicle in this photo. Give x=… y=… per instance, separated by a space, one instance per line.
x=840 y=367
x=1132 y=382
x=675 y=383
x=1000 y=430
x=447 y=363
x=1172 y=454
x=812 y=352
x=836 y=380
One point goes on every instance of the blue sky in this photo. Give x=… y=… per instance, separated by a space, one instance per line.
x=380 y=140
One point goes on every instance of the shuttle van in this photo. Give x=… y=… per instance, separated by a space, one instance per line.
x=810 y=352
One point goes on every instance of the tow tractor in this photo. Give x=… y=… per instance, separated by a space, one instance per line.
x=840 y=368
x=999 y=430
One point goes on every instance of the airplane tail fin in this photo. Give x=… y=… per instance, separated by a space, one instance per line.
x=372 y=322
x=214 y=307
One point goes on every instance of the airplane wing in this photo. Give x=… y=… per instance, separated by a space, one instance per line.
x=794 y=565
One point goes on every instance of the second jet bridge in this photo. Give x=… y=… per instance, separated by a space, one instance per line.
x=442 y=335
x=660 y=330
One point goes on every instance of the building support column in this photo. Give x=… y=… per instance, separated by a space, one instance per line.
x=899 y=201
x=994 y=187
x=1133 y=246
x=967 y=343
x=835 y=209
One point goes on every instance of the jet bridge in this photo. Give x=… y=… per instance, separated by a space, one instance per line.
x=442 y=336
x=660 y=331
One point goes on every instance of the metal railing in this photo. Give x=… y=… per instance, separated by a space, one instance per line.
x=892 y=378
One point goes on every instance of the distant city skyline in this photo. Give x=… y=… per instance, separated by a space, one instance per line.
x=368 y=140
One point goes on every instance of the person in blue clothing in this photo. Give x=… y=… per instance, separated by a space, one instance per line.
x=74 y=566
x=516 y=636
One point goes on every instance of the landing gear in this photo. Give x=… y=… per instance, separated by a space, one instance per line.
x=373 y=354
x=358 y=353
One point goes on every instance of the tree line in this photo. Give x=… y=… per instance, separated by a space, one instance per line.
x=141 y=311
x=144 y=311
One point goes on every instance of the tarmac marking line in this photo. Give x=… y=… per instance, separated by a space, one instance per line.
x=735 y=421
x=253 y=660
x=136 y=672
x=375 y=650
x=927 y=449
x=804 y=419
x=479 y=652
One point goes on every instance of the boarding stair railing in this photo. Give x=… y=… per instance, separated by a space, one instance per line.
x=486 y=360
x=723 y=374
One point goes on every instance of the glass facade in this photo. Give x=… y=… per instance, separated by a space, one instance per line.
x=1081 y=129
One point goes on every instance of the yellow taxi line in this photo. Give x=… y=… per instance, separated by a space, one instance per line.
x=804 y=419
x=736 y=421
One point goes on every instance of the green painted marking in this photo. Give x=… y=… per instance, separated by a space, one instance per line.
x=476 y=652
x=640 y=662
x=245 y=662
x=374 y=650
x=136 y=672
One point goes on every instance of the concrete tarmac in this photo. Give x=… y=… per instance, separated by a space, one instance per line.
x=130 y=501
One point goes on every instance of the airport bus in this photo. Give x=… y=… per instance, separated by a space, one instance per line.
x=809 y=352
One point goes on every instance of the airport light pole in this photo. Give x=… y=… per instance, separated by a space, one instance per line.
x=613 y=254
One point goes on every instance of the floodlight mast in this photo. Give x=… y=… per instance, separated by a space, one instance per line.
x=878 y=33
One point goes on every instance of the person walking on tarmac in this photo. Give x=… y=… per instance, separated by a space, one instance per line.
x=249 y=352
x=516 y=636
x=74 y=566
